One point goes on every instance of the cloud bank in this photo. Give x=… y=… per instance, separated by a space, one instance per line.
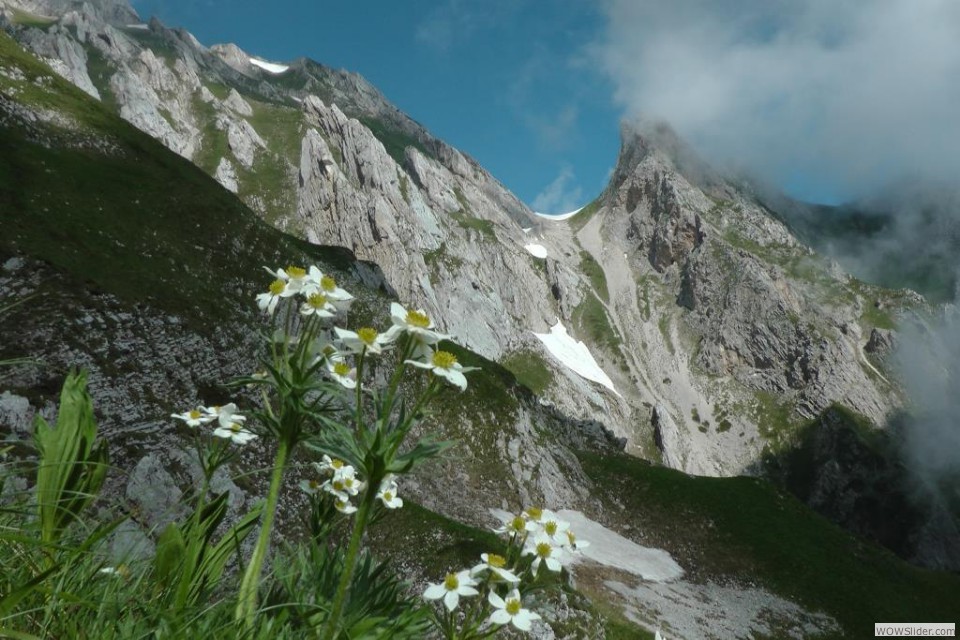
x=845 y=94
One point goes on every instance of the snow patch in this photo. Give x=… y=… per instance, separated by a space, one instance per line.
x=272 y=67
x=574 y=355
x=611 y=549
x=536 y=250
x=143 y=27
x=562 y=216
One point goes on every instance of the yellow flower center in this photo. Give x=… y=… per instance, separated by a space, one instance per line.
x=194 y=414
x=296 y=272
x=418 y=319
x=535 y=513
x=342 y=504
x=328 y=284
x=367 y=335
x=317 y=301
x=571 y=537
x=513 y=606
x=313 y=484
x=348 y=482
x=451 y=582
x=387 y=496
x=496 y=561
x=444 y=359
x=341 y=369
x=277 y=287
x=544 y=549
x=336 y=463
x=550 y=528
x=338 y=485
x=235 y=427
x=518 y=523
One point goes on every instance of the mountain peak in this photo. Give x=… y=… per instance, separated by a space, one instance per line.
x=116 y=12
x=642 y=139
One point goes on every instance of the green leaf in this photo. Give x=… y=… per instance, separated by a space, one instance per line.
x=168 y=561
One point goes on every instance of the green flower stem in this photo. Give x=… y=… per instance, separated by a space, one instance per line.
x=353 y=551
x=247 y=598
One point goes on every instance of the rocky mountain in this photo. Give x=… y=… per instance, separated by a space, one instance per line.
x=716 y=328
x=710 y=332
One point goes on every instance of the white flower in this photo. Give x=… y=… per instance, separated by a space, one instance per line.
x=344 y=506
x=317 y=282
x=278 y=289
x=194 y=417
x=444 y=364
x=342 y=372
x=318 y=305
x=511 y=610
x=572 y=544
x=311 y=487
x=545 y=551
x=452 y=587
x=330 y=465
x=553 y=526
x=414 y=322
x=294 y=278
x=235 y=432
x=658 y=636
x=226 y=415
x=388 y=493
x=343 y=484
x=516 y=525
x=494 y=564
x=365 y=339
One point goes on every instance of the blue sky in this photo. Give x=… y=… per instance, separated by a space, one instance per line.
x=830 y=100
x=507 y=81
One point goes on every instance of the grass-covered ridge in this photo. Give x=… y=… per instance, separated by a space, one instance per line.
x=110 y=204
x=746 y=530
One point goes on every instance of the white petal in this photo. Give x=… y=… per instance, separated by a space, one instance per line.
x=522 y=620
x=419 y=365
x=453 y=377
x=467 y=591
x=496 y=600
x=435 y=591
x=500 y=616
x=451 y=600
x=398 y=314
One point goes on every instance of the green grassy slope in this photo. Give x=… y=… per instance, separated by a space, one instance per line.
x=746 y=530
x=137 y=220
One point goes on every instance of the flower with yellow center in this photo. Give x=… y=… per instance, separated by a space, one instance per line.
x=194 y=417
x=516 y=526
x=342 y=372
x=330 y=466
x=572 y=543
x=453 y=586
x=545 y=551
x=235 y=433
x=344 y=506
x=318 y=305
x=510 y=610
x=225 y=415
x=278 y=289
x=366 y=340
x=388 y=493
x=311 y=487
x=416 y=323
x=444 y=365
x=318 y=282
x=496 y=566
x=553 y=526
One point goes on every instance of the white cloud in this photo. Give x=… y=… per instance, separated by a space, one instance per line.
x=851 y=91
x=561 y=195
